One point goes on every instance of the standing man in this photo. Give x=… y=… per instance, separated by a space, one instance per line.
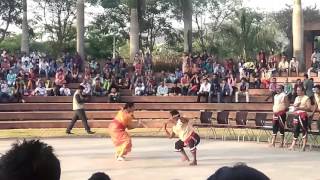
x=316 y=103
x=281 y=103
x=78 y=108
x=302 y=105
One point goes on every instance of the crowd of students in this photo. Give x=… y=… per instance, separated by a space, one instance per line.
x=199 y=75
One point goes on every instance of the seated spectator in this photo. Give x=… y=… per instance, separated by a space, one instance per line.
x=44 y=68
x=99 y=176
x=114 y=96
x=172 y=78
x=272 y=60
x=296 y=85
x=288 y=89
x=87 y=88
x=138 y=68
x=11 y=78
x=204 y=90
x=238 y=172
x=272 y=88
x=139 y=89
x=178 y=74
x=215 y=89
x=175 y=90
x=162 y=90
x=243 y=89
x=219 y=70
x=30 y=160
x=98 y=89
x=185 y=83
x=163 y=77
x=19 y=89
x=226 y=90
x=195 y=84
x=27 y=66
x=315 y=67
x=31 y=85
x=283 y=66
x=75 y=73
x=40 y=90
x=265 y=77
x=59 y=80
x=195 y=69
x=4 y=91
x=232 y=81
x=294 y=66
x=150 y=87
x=64 y=90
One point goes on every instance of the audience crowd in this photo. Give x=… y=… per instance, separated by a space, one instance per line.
x=201 y=75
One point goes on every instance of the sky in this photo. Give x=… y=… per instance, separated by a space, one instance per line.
x=276 y=5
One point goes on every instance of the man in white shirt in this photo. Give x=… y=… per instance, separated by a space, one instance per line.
x=4 y=90
x=162 y=90
x=40 y=90
x=204 y=90
x=87 y=88
x=283 y=65
x=139 y=90
x=294 y=66
x=25 y=58
x=64 y=90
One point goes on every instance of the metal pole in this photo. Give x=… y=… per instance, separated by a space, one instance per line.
x=114 y=46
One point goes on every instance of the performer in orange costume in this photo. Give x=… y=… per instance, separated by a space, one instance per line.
x=117 y=130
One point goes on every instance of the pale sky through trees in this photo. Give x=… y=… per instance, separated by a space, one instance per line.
x=260 y=5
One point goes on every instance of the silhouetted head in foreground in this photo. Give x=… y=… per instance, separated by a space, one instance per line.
x=238 y=172
x=99 y=176
x=30 y=160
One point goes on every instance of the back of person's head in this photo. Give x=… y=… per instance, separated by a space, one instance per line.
x=174 y=113
x=99 y=176
x=238 y=172
x=30 y=160
x=128 y=105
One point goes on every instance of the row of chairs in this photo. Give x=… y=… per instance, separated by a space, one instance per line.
x=237 y=126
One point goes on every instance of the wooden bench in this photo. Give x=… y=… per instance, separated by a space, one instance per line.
x=138 y=106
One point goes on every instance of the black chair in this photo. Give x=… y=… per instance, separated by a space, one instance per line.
x=206 y=122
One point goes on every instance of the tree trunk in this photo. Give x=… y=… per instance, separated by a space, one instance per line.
x=187 y=20
x=80 y=29
x=134 y=32
x=25 y=31
x=297 y=33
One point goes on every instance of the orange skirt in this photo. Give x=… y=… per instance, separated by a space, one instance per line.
x=120 y=138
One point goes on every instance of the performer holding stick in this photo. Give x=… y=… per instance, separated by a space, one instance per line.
x=78 y=107
x=280 y=106
x=302 y=105
x=117 y=129
x=187 y=136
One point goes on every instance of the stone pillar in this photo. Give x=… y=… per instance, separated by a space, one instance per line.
x=80 y=28
x=297 y=33
x=25 y=31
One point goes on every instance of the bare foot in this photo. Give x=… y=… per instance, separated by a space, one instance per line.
x=193 y=163
x=291 y=148
x=281 y=146
x=272 y=145
x=185 y=158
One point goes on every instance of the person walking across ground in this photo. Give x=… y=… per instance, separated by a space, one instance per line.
x=79 y=113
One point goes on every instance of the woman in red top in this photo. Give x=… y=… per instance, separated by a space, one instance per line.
x=185 y=83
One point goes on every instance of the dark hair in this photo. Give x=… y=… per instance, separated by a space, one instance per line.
x=174 y=113
x=305 y=75
x=99 y=176
x=30 y=160
x=281 y=87
x=238 y=172
x=301 y=87
x=128 y=105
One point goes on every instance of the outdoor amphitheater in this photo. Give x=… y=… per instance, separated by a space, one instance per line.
x=157 y=89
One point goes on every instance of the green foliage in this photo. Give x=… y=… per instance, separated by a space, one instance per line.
x=10 y=13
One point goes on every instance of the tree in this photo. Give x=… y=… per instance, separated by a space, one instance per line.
x=25 y=29
x=187 y=21
x=218 y=11
x=248 y=33
x=284 y=21
x=80 y=29
x=57 y=18
x=10 y=11
x=134 y=28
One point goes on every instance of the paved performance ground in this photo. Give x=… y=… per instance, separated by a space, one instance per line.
x=153 y=158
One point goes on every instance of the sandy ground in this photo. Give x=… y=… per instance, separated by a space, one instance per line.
x=153 y=158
